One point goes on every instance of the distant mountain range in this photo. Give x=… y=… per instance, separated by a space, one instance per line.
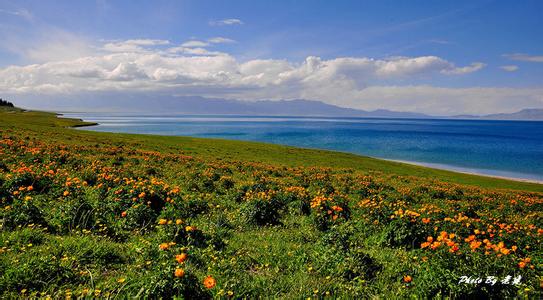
x=199 y=105
x=196 y=105
x=529 y=114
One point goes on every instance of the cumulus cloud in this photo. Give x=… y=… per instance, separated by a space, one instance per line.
x=476 y=66
x=226 y=22
x=509 y=68
x=127 y=71
x=524 y=57
x=357 y=82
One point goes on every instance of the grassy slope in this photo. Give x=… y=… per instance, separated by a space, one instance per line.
x=247 y=151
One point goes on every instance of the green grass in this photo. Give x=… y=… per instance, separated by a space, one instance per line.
x=84 y=214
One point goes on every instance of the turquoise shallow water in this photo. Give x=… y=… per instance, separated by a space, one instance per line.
x=497 y=148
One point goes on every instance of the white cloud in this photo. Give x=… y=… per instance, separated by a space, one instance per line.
x=193 y=51
x=194 y=43
x=357 y=82
x=127 y=71
x=202 y=44
x=524 y=57
x=476 y=66
x=147 y=42
x=509 y=68
x=405 y=66
x=226 y=22
x=136 y=45
x=220 y=40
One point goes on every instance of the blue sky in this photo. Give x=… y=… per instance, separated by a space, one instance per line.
x=431 y=56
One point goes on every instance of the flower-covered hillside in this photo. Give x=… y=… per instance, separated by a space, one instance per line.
x=86 y=214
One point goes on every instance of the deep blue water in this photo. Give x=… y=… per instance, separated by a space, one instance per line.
x=499 y=148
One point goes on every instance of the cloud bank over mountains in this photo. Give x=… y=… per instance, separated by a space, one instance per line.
x=196 y=67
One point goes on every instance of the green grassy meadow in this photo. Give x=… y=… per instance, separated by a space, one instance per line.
x=87 y=214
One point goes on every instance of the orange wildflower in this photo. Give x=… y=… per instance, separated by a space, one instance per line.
x=523 y=262
x=209 y=282
x=162 y=222
x=164 y=246
x=470 y=238
x=443 y=235
x=181 y=257
x=337 y=208
x=407 y=279
x=474 y=245
x=179 y=273
x=435 y=245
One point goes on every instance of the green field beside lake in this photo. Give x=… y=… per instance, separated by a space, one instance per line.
x=104 y=214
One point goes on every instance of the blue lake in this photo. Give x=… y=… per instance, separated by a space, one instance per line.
x=497 y=148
